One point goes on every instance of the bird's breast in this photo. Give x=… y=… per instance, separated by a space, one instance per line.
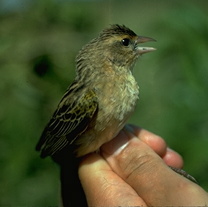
x=117 y=97
x=116 y=101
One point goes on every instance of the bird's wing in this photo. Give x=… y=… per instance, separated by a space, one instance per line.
x=71 y=119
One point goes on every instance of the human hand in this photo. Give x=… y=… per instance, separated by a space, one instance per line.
x=133 y=171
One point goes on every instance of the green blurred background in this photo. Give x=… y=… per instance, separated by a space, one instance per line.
x=38 y=44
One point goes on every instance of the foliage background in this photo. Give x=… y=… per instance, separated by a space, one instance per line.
x=38 y=43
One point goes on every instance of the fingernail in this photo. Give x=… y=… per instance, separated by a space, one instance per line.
x=116 y=145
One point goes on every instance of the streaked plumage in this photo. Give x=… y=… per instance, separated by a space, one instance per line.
x=100 y=100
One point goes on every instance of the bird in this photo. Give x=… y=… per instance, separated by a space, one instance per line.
x=96 y=106
x=102 y=97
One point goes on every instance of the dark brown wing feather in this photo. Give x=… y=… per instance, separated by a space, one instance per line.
x=71 y=119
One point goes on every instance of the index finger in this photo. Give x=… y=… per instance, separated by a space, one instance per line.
x=103 y=187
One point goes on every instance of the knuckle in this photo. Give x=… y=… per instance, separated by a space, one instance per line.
x=137 y=164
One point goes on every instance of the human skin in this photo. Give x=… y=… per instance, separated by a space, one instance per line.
x=132 y=170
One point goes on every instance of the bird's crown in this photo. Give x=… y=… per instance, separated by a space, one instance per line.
x=117 y=29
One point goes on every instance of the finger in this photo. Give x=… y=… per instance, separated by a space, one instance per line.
x=158 y=144
x=103 y=187
x=138 y=165
x=154 y=141
x=173 y=159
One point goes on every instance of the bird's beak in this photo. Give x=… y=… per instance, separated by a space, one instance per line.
x=142 y=50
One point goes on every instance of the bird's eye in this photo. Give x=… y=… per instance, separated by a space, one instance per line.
x=125 y=41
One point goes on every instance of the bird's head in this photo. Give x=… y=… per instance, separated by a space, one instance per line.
x=117 y=45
